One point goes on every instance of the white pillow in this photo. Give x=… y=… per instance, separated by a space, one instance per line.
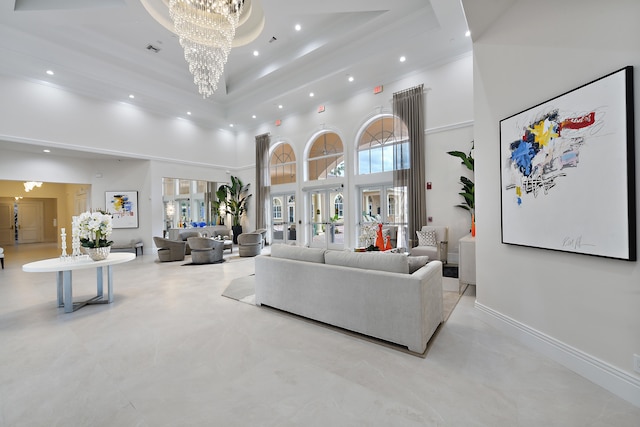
x=427 y=238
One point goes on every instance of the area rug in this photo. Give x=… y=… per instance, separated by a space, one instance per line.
x=243 y=289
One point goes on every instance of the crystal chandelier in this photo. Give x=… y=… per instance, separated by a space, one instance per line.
x=206 y=29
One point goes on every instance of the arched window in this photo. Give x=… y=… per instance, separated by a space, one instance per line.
x=277 y=209
x=282 y=164
x=338 y=204
x=326 y=157
x=377 y=144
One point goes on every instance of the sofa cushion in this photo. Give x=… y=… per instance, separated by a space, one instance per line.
x=394 y=263
x=416 y=263
x=427 y=238
x=299 y=253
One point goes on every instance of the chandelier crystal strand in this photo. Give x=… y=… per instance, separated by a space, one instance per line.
x=206 y=29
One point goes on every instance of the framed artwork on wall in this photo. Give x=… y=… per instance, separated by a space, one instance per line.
x=123 y=207
x=568 y=171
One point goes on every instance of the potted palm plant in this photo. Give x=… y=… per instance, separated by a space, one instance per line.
x=468 y=186
x=235 y=197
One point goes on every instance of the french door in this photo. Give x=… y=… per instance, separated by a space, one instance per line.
x=283 y=218
x=385 y=204
x=326 y=222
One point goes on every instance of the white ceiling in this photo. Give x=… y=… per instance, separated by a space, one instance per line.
x=98 y=48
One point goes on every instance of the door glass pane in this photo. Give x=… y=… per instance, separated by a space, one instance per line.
x=336 y=220
x=318 y=212
x=277 y=224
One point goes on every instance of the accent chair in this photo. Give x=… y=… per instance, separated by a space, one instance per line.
x=184 y=236
x=249 y=244
x=170 y=250
x=262 y=231
x=433 y=242
x=205 y=250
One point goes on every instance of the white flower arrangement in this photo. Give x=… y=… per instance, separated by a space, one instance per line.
x=368 y=234
x=94 y=228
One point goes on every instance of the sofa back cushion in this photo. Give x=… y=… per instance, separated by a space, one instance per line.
x=394 y=263
x=298 y=253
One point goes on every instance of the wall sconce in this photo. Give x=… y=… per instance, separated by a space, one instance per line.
x=171 y=209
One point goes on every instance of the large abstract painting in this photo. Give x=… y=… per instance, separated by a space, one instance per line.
x=568 y=173
x=123 y=207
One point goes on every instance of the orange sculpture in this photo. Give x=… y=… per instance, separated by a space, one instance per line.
x=379 y=239
x=388 y=247
x=473 y=225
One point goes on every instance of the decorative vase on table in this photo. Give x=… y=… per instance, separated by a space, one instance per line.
x=473 y=225
x=98 y=254
x=379 y=238
x=93 y=230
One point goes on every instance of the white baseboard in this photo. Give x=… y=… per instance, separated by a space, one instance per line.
x=618 y=382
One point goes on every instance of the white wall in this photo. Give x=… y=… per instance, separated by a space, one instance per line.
x=31 y=112
x=581 y=310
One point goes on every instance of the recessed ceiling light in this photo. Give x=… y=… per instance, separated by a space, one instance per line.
x=311 y=94
x=50 y=72
x=46 y=151
x=403 y=58
x=467 y=34
x=351 y=78
x=253 y=117
x=280 y=106
x=188 y=113
x=131 y=96
x=231 y=125
x=256 y=53
x=298 y=27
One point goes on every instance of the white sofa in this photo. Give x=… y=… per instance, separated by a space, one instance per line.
x=369 y=293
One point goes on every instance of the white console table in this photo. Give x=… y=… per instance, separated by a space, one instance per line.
x=467 y=261
x=64 y=268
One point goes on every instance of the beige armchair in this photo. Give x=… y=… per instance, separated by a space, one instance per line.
x=170 y=250
x=205 y=250
x=437 y=251
x=249 y=244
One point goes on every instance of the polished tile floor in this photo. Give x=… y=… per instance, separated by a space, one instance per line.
x=170 y=351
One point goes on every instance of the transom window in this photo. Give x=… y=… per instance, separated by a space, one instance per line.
x=377 y=144
x=326 y=157
x=282 y=164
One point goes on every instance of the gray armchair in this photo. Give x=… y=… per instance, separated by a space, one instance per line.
x=205 y=250
x=437 y=252
x=262 y=231
x=184 y=236
x=170 y=250
x=249 y=244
